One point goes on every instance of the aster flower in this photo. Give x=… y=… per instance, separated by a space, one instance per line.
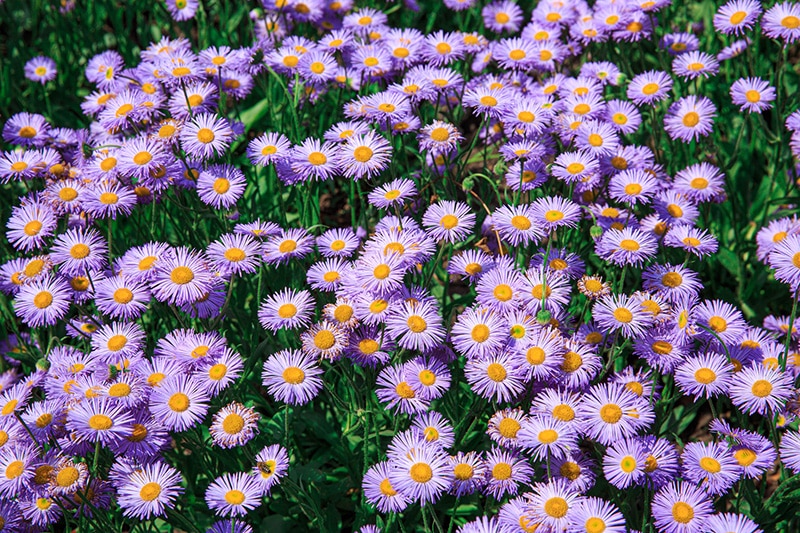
x=99 y=420
x=681 y=508
x=287 y=245
x=737 y=16
x=649 y=87
x=292 y=377
x=26 y=129
x=42 y=302
x=268 y=148
x=690 y=118
x=622 y=313
x=181 y=278
x=546 y=438
x=595 y=514
x=707 y=375
x=364 y=156
x=422 y=474
x=553 y=504
x=449 y=221
x=782 y=21
x=694 y=64
x=78 y=251
x=627 y=246
x=379 y=491
x=760 y=389
x=517 y=224
x=233 y=494
x=416 y=326
x=325 y=339
x=428 y=377
x=272 y=464
x=572 y=167
x=29 y=226
x=140 y=157
x=149 y=491
x=505 y=472
x=40 y=69
x=495 y=376
x=752 y=94
x=711 y=466
x=234 y=425
x=695 y=241
x=286 y=309
x=612 y=412
x=501 y=16
x=121 y=298
x=393 y=389
x=179 y=403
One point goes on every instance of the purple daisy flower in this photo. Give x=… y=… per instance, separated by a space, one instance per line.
x=690 y=118
x=221 y=186
x=181 y=278
x=206 y=136
x=40 y=69
x=612 y=412
x=272 y=464
x=737 y=16
x=42 y=302
x=179 y=403
x=379 y=491
x=149 y=491
x=681 y=508
x=234 y=494
x=707 y=375
x=292 y=377
x=782 y=21
x=752 y=94
x=760 y=389
x=422 y=474
x=711 y=466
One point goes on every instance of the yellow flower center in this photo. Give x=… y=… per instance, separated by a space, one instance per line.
x=324 y=339
x=610 y=413
x=181 y=275
x=178 y=402
x=496 y=372
x=100 y=422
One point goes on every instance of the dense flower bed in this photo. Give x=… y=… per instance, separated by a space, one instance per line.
x=444 y=266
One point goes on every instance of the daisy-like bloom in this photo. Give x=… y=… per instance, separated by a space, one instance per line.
x=428 y=377
x=737 y=16
x=694 y=64
x=553 y=212
x=495 y=376
x=711 y=466
x=649 y=87
x=593 y=515
x=364 y=156
x=722 y=318
x=42 y=302
x=439 y=137
x=505 y=472
x=707 y=375
x=504 y=426
x=572 y=167
x=436 y=429
x=690 y=118
x=785 y=259
x=234 y=425
x=292 y=377
x=624 y=463
x=478 y=332
x=700 y=182
x=627 y=246
x=268 y=148
x=622 y=313
x=314 y=160
x=235 y=254
x=286 y=309
x=120 y=297
x=17 y=469
x=78 y=251
x=593 y=287
x=393 y=389
x=26 y=129
x=181 y=278
x=694 y=240
x=30 y=225
x=553 y=504
x=394 y=193
x=752 y=94
x=329 y=275
x=612 y=412
x=440 y=48
x=338 y=242
x=100 y=420
x=469 y=472
x=517 y=224
x=287 y=245
x=422 y=474
x=545 y=437
x=623 y=116
x=681 y=508
x=790 y=450
x=206 y=136
x=471 y=263
x=680 y=43
x=149 y=491
x=234 y=494
x=416 y=326
x=325 y=340
x=735 y=49
x=217 y=371
x=449 y=221
x=138 y=263
x=221 y=186
x=141 y=157
x=179 y=403
x=109 y=199
x=19 y=165
x=597 y=137
x=379 y=491
x=731 y=523
x=40 y=69
x=782 y=21
x=675 y=209
x=760 y=389
x=633 y=186
x=272 y=464
x=501 y=16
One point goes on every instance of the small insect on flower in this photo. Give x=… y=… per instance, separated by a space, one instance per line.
x=272 y=464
